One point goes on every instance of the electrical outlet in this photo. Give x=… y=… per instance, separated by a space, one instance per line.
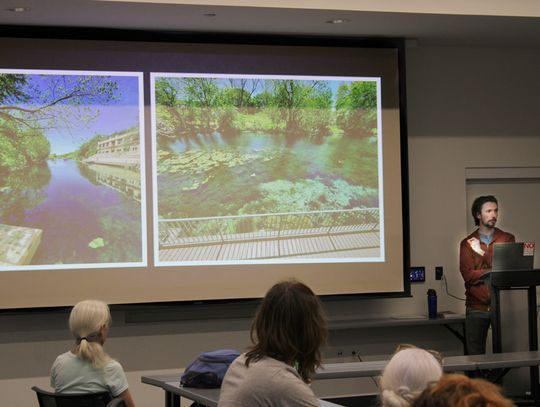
x=341 y=354
x=439 y=272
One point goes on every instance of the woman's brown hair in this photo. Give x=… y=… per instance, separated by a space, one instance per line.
x=456 y=390
x=289 y=326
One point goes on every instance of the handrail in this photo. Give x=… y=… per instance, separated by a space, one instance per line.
x=249 y=227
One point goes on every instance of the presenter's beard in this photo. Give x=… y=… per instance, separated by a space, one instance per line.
x=490 y=223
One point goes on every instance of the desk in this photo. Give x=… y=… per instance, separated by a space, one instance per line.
x=374 y=368
x=335 y=324
x=352 y=323
x=207 y=397
x=210 y=397
x=450 y=364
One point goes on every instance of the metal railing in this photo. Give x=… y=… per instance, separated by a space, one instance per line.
x=224 y=229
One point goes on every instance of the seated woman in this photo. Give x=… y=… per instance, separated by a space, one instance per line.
x=287 y=334
x=86 y=368
x=407 y=374
x=456 y=390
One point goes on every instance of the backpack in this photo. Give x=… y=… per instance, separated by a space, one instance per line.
x=208 y=370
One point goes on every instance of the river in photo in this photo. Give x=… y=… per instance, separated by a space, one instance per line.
x=88 y=214
x=256 y=173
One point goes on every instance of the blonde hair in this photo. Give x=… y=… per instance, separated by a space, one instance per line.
x=407 y=374
x=86 y=321
x=456 y=390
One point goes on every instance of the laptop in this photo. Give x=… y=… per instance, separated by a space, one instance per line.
x=513 y=256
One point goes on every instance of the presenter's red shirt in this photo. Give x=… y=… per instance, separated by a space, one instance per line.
x=472 y=265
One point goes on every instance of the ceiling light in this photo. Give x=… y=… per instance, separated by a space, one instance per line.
x=337 y=21
x=18 y=9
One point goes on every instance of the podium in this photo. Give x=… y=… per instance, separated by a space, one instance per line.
x=515 y=280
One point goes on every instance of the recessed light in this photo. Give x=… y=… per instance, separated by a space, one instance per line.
x=19 y=9
x=337 y=21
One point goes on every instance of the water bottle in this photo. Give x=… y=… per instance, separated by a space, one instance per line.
x=432 y=303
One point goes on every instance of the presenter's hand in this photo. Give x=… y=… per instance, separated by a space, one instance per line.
x=475 y=245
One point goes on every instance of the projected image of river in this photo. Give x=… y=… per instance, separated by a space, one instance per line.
x=88 y=214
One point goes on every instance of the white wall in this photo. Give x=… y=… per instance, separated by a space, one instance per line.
x=468 y=107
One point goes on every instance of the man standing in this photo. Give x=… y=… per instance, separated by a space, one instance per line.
x=475 y=257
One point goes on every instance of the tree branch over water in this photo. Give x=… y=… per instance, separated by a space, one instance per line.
x=54 y=101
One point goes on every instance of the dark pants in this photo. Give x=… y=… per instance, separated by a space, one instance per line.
x=476 y=329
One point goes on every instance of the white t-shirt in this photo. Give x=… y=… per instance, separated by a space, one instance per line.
x=69 y=374
x=267 y=382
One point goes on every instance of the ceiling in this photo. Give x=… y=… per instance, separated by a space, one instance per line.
x=503 y=28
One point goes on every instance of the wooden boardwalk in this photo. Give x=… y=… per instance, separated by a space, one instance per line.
x=18 y=244
x=346 y=245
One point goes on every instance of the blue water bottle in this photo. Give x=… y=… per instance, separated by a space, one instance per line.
x=432 y=303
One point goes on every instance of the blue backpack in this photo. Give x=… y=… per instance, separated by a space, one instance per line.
x=208 y=370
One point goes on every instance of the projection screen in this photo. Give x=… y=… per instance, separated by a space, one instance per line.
x=139 y=172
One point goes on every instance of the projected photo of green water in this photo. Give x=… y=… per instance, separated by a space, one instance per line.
x=266 y=169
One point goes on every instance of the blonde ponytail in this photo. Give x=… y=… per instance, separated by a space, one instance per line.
x=85 y=323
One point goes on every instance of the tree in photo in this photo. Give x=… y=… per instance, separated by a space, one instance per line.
x=356 y=107
x=32 y=104
x=240 y=92
x=304 y=106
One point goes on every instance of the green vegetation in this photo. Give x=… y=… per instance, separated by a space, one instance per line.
x=233 y=180
x=67 y=156
x=197 y=168
x=21 y=147
x=121 y=236
x=257 y=121
x=22 y=189
x=198 y=162
x=356 y=108
x=97 y=243
x=246 y=146
x=189 y=107
x=282 y=196
x=307 y=195
x=12 y=89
